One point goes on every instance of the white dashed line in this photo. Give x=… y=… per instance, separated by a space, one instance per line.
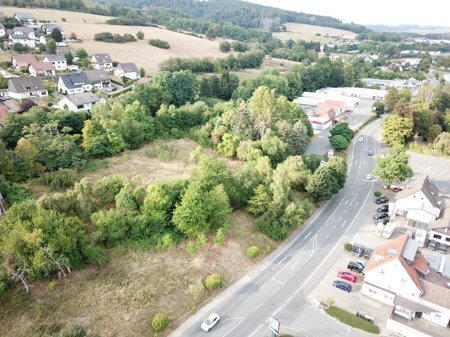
x=259 y=306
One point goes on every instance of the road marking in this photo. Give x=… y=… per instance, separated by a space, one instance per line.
x=357 y=203
x=340 y=219
x=241 y=318
x=259 y=306
x=307 y=235
x=334 y=226
x=346 y=202
x=246 y=299
x=284 y=258
x=293 y=266
x=353 y=199
x=275 y=291
x=318 y=231
x=328 y=235
x=282 y=283
x=263 y=286
x=343 y=224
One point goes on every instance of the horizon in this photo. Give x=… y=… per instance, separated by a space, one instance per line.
x=398 y=13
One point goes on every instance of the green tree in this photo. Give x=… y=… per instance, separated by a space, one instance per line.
x=81 y=53
x=140 y=35
x=327 y=180
x=339 y=142
x=391 y=99
x=394 y=167
x=434 y=131
x=6 y=167
x=447 y=121
x=378 y=107
x=342 y=128
x=228 y=145
x=111 y=225
x=442 y=144
x=56 y=35
x=423 y=120
x=273 y=147
x=225 y=46
x=69 y=57
x=50 y=46
x=397 y=130
x=403 y=109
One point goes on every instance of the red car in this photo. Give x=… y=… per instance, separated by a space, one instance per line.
x=397 y=189
x=345 y=275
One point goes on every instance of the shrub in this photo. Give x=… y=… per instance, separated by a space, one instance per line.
x=220 y=236
x=159 y=43
x=72 y=331
x=348 y=246
x=213 y=281
x=107 y=189
x=114 y=38
x=160 y=321
x=377 y=194
x=140 y=35
x=59 y=180
x=253 y=252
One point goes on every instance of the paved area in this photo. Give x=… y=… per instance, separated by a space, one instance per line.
x=437 y=168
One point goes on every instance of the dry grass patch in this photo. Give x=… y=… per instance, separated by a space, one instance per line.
x=120 y=298
x=308 y=30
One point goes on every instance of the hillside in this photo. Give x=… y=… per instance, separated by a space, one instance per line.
x=140 y=52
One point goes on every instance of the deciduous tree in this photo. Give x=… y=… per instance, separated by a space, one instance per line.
x=394 y=167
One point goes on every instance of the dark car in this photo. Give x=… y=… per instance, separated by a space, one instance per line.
x=342 y=285
x=432 y=245
x=358 y=250
x=356 y=267
x=380 y=216
x=381 y=200
x=383 y=208
x=441 y=248
x=383 y=221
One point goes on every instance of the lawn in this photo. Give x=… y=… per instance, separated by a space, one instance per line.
x=352 y=320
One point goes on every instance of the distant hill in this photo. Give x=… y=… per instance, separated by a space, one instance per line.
x=240 y=13
x=410 y=29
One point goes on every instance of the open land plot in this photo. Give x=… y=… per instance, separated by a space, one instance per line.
x=285 y=36
x=312 y=30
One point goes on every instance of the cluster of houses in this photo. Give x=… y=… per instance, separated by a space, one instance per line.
x=412 y=84
x=398 y=274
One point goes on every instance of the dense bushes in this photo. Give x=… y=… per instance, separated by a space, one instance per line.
x=213 y=281
x=160 y=321
x=60 y=180
x=114 y=38
x=159 y=43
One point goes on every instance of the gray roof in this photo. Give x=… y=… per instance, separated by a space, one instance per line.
x=54 y=58
x=24 y=16
x=128 y=67
x=72 y=81
x=97 y=75
x=25 y=84
x=427 y=187
x=51 y=26
x=24 y=30
x=84 y=98
x=102 y=58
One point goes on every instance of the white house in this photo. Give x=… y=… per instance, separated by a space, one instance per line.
x=99 y=79
x=23 y=35
x=26 y=87
x=420 y=201
x=22 y=62
x=102 y=61
x=59 y=62
x=398 y=275
x=25 y=18
x=74 y=83
x=2 y=30
x=44 y=69
x=128 y=70
x=78 y=102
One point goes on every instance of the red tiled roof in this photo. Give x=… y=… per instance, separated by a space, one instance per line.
x=43 y=66
x=27 y=58
x=326 y=110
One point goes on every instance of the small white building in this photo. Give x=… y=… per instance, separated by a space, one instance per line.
x=128 y=70
x=26 y=87
x=79 y=102
x=59 y=62
x=101 y=61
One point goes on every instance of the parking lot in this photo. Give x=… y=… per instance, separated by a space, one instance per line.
x=437 y=168
x=360 y=113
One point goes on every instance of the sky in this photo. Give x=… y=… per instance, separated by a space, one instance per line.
x=387 y=12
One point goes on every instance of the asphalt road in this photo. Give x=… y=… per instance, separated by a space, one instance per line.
x=280 y=287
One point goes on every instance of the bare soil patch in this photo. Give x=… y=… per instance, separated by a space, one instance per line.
x=307 y=32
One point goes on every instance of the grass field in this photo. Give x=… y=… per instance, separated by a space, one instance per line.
x=352 y=320
x=298 y=31
x=120 y=298
x=140 y=52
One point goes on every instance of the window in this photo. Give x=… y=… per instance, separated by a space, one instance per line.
x=447 y=239
x=436 y=236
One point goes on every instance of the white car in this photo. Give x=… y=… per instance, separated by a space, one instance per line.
x=368 y=177
x=360 y=139
x=210 y=321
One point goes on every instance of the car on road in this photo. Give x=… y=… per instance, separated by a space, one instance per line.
x=210 y=322
x=342 y=285
x=360 y=139
x=370 y=153
x=441 y=248
x=368 y=177
x=345 y=275
x=383 y=208
x=356 y=267
x=381 y=200
x=432 y=245
x=380 y=216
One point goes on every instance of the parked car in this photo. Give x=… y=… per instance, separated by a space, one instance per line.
x=342 y=285
x=356 y=267
x=381 y=200
x=358 y=250
x=370 y=153
x=345 y=275
x=397 y=189
x=362 y=263
x=210 y=322
x=441 y=248
x=432 y=245
x=383 y=208
x=380 y=216
x=368 y=176
x=360 y=139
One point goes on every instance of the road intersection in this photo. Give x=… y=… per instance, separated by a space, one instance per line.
x=280 y=287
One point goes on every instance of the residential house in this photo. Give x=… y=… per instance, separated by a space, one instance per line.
x=398 y=275
x=2 y=30
x=23 y=35
x=99 y=79
x=102 y=61
x=41 y=69
x=22 y=62
x=59 y=62
x=78 y=102
x=49 y=27
x=26 y=87
x=128 y=70
x=74 y=83
x=25 y=18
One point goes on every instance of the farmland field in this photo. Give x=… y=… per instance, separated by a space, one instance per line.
x=298 y=31
x=140 y=52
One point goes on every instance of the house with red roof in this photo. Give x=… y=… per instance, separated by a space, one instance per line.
x=44 y=69
x=398 y=274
